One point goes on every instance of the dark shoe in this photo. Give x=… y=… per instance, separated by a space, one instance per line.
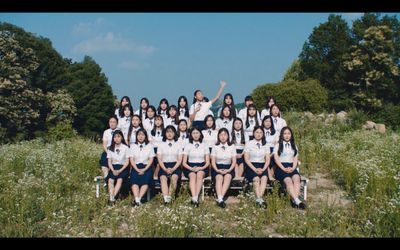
x=293 y=204
x=302 y=206
x=134 y=204
x=263 y=205
x=111 y=203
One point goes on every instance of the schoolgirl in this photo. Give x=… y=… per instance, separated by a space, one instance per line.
x=142 y=111
x=270 y=100
x=107 y=140
x=163 y=108
x=251 y=120
x=172 y=117
x=183 y=109
x=239 y=139
x=210 y=132
x=225 y=119
x=125 y=100
x=271 y=137
x=279 y=122
x=228 y=101
x=148 y=123
x=156 y=136
x=248 y=100
x=125 y=121
x=136 y=124
x=183 y=134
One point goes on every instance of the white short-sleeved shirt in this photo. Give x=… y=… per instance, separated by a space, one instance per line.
x=257 y=151
x=157 y=138
x=169 y=150
x=203 y=112
x=141 y=153
x=120 y=154
x=287 y=154
x=220 y=110
x=148 y=124
x=107 y=136
x=279 y=123
x=243 y=114
x=133 y=135
x=264 y=113
x=123 y=125
x=163 y=114
x=223 y=153
x=210 y=137
x=224 y=123
x=170 y=121
x=252 y=124
x=238 y=136
x=143 y=114
x=196 y=152
x=271 y=139
x=183 y=139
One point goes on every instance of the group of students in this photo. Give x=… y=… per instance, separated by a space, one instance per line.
x=172 y=141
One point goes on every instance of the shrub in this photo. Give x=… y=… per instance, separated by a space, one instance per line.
x=357 y=118
x=62 y=130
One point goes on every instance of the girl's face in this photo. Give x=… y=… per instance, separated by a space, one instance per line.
x=127 y=112
x=163 y=106
x=150 y=113
x=172 y=112
x=124 y=102
x=182 y=103
x=275 y=111
x=226 y=112
x=258 y=134
x=287 y=135
x=170 y=134
x=140 y=137
x=158 y=122
x=112 y=123
x=247 y=103
x=209 y=122
x=199 y=96
x=237 y=125
x=271 y=102
x=182 y=126
x=117 y=139
x=252 y=112
x=223 y=137
x=228 y=100
x=143 y=104
x=135 y=121
x=196 y=135
x=267 y=123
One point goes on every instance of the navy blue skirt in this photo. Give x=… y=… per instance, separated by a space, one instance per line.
x=223 y=166
x=122 y=175
x=239 y=160
x=178 y=171
x=280 y=175
x=140 y=180
x=186 y=171
x=103 y=160
x=198 y=124
x=250 y=174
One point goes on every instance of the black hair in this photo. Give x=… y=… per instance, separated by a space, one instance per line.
x=113 y=117
x=242 y=139
x=129 y=106
x=153 y=131
x=146 y=138
x=112 y=146
x=272 y=124
x=140 y=105
x=169 y=127
x=248 y=98
x=194 y=96
x=153 y=109
x=275 y=105
x=232 y=105
x=227 y=132
x=280 y=150
x=120 y=110
x=176 y=118
x=247 y=118
x=267 y=101
x=131 y=126
x=186 y=105
x=221 y=115
x=159 y=106
x=263 y=141
x=190 y=135
x=178 y=131
x=205 y=122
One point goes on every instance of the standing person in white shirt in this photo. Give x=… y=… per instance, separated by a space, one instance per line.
x=196 y=160
x=107 y=140
x=226 y=119
x=228 y=101
x=251 y=120
x=136 y=124
x=118 y=161
x=199 y=109
x=223 y=162
x=163 y=108
x=210 y=132
x=125 y=121
x=144 y=104
x=183 y=109
x=239 y=139
x=248 y=100
x=155 y=138
x=257 y=157
x=148 y=123
x=183 y=134
x=279 y=122
x=286 y=156
x=169 y=156
x=141 y=158
x=271 y=137
x=124 y=101
x=172 y=117
x=270 y=100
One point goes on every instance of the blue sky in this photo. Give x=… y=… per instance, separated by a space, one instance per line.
x=160 y=55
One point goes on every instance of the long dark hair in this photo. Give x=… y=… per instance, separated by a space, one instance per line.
x=263 y=141
x=267 y=102
x=131 y=126
x=205 y=122
x=272 y=123
x=169 y=127
x=153 y=131
x=176 y=118
x=275 y=105
x=190 y=135
x=247 y=118
x=242 y=139
x=280 y=150
x=112 y=146
x=153 y=109
x=227 y=132
x=146 y=136
x=232 y=105
x=140 y=105
x=126 y=106
x=120 y=110
x=186 y=105
x=159 y=106
x=194 y=96
x=221 y=115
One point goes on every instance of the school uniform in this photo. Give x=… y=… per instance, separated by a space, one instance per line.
x=252 y=123
x=132 y=140
x=182 y=112
x=107 y=136
x=141 y=154
x=239 y=146
x=223 y=154
x=264 y=113
x=137 y=112
x=198 y=120
x=117 y=113
x=271 y=139
x=220 y=110
x=170 y=152
x=224 y=123
x=286 y=158
x=163 y=114
x=156 y=139
x=257 y=153
x=183 y=140
x=279 y=123
x=210 y=137
x=148 y=124
x=118 y=158
x=123 y=125
x=170 y=121
x=243 y=114
x=196 y=153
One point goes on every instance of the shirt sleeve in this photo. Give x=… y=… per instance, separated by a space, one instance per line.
x=247 y=147
x=152 y=154
x=109 y=154
x=191 y=110
x=213 y=151
x=206 y=149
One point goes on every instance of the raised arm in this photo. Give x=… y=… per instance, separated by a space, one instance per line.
x=221 y=88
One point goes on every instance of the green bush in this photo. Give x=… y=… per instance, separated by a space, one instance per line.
x=357 y=118
x=388 y=115
x=306 y=95
x=62 y=130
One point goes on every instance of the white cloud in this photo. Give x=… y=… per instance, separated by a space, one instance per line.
x=87 y=27
x=132 y=65
x=111 y=43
